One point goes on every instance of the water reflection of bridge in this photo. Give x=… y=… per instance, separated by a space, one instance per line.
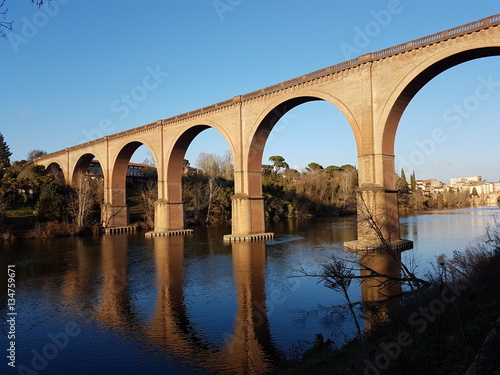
x=247 y=349
x=169 y=330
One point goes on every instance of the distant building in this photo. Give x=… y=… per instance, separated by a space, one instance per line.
x=476 y=183
x=484 y=188
x=133 y=170
x=190 y=171
x=430 y=186
x=465 y=180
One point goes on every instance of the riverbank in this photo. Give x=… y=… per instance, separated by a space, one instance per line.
x=436 y=330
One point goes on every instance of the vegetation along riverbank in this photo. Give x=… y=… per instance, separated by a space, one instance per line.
x=444 y=323
x=35 y=202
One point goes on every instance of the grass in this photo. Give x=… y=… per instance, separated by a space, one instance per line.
x=21 y=218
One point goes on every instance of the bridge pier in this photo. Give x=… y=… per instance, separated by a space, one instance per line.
x=248 y=220
x=169 y=219
x=378 y=221
x=114 y=215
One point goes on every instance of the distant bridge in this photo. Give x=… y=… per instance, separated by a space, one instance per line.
x=372 y=91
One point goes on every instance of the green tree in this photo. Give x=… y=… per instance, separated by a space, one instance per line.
x=279 y=162
x=413 y=182
x=474 y=192
x=4 y=156
x=401 y=183
x=51 y=205
x=332 y=168
x=314 y=167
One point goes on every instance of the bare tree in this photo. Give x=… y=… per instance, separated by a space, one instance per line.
x=214 y=167
x=226 y=166
x=33 y=154
x=4 y=25
x=386 y=278
x=338 y=276
x=346 y=186
x=148 y=194
x=7 y=25
x=83 y=199
x=149 y=160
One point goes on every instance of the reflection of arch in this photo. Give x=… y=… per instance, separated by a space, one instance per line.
x=418 y=78
x=115 y=309
x=170 y=328
x=246 y=348
x=79 y=278
x=249 y=346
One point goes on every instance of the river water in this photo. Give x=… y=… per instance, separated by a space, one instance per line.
x=125 y=304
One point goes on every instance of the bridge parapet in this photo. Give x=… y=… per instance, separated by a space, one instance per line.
x=438 y=37
x=387 y=52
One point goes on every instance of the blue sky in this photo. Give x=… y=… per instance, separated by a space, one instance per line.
x=65 y=69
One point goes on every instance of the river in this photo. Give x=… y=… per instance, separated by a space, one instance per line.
x=125 y=304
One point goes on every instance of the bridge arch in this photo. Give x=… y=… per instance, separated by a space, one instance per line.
x=254 y=149
x=55 y=164
x=82 y=164
x=181 y=142
x=248 y=219
x=416 y=79
x=120 y=163
x=169 y=210
x=116 y=210
x=57 y=168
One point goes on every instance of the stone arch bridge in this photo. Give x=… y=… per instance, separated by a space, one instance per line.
x=372 y=91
